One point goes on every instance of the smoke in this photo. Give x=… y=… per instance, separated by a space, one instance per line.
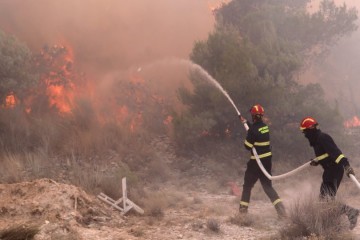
x=110 y=34
x=338 y=74
x=109 y=37
x=343 y=70
x=116 y=40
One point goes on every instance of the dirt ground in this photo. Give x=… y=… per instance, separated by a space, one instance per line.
x=193 y=206
x=62 y=211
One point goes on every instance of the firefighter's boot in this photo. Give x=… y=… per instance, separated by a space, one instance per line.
x=243 y=209
x=352 y=215
x=280 y=209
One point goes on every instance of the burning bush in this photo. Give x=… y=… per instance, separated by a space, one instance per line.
x=65 y=110
x=17 y=75
x=67 y=119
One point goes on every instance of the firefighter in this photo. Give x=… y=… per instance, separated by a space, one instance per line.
x=258 y=137
x=334 y=163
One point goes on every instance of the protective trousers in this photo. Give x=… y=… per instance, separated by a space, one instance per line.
x=252 y=174
x=332 y=177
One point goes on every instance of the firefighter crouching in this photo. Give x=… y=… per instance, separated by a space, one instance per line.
x=258 y=137
x=334 y=163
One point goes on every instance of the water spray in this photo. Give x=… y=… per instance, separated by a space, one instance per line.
x=296 y=170
x=217 y=85
x=246 y=126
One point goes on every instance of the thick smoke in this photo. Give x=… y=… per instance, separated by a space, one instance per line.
x=339 y=73
x=110 y=34
x=115 y=40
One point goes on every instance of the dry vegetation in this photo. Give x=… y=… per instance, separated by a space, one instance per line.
x=310 y=218
x=97 y=157
x=22 y=232
x=242 y=220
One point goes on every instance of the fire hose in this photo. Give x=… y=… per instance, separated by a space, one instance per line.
x=264 y=170
x=351 y=176
x=307 y=164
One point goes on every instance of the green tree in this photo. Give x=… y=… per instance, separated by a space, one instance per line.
x=255 y=52
x=16 y=74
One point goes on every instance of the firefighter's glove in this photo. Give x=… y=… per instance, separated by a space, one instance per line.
x=243 y=120
x=349 y=170
x=314 y=162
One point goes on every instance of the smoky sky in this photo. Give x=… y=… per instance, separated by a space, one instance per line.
x=110 y=34
x=339 y=73
x=113 y=35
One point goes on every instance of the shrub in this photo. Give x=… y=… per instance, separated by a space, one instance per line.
x=243 y=220
x=213 y=225
x=313 y=218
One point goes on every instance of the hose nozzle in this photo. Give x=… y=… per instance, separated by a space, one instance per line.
x=242 y=119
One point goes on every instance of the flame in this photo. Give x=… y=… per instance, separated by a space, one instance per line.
x=353 y=122
x=136 y=122
x=227 y=132
x=59 y=80
x=61 y=88
x=60 y=98
x=168 y=120
x=10 y=100
x=123 y=115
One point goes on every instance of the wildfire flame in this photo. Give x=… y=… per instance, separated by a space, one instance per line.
x=61 y=89
x=10 y=101
x=136 y=122
x=60 y=98
x=168 y=120
x=353 y=122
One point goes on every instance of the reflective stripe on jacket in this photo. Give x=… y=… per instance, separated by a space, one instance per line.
x=258 y=136
x=326 y=151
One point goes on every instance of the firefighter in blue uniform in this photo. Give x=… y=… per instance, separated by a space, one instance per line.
x=258 y=137
x=333 y=161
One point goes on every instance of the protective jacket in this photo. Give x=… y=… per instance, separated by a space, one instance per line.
x=333 y=161
x=258 y=136
x=326 y=151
